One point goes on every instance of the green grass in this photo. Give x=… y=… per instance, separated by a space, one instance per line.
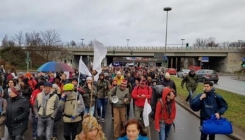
x=236 y=103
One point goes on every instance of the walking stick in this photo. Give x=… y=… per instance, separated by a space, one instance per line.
x=149 y=132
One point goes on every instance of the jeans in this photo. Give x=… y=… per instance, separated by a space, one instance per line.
x=34 y=126
x=101 y=103
x=47 y=125
x=70 y=130
x=205 y=136
x=90 y=111
x=188 y=99
x=164 y=131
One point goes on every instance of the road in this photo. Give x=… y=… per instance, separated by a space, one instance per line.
x=229 y=84
x=187 y=127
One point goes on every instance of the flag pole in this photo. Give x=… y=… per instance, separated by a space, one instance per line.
x=92 y=92
x=149 y=132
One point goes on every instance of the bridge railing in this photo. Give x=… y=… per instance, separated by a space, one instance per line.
x=122 y=48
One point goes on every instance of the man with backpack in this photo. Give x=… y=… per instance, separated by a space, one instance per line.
x=209 y=103
x=165 y=113
x=139 y=94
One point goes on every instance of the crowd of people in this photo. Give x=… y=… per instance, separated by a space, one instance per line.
x=80 y=103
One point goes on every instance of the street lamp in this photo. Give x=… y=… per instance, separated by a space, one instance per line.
x=127 y=42
x=182 y=42
x=82 y=41
x=166 y=9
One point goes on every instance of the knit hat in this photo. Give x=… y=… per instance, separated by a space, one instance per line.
x=89 y=123
x=16 y=91
x=28 y=74
x=167 y=75
x=48 y=84
x=25 y=80
x=89 y=78
x=124 y=83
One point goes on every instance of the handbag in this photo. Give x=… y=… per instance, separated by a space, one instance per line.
x=216 y=126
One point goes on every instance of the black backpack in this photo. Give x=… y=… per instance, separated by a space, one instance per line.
x=156 y=95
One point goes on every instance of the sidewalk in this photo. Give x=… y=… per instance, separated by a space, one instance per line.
x=238 y=134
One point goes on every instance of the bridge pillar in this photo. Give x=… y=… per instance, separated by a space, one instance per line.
x=186 y=63
x=109 y=60
x=75 y=61
x=178 y=63
x=169 y=62
x=174 y=62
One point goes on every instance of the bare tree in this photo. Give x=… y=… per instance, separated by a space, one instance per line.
x=224 y=44
x=211 y=42
x=33 y=39
x=5 y=41
x=19 y=38
x=200 y=42
x=73 y=43
x=50 y=38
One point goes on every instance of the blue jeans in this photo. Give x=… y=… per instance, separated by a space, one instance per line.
x=87 y=110
x=188 y=99
x=164 y=131
x=101 y=103
x=34 y=126
x=46 y=124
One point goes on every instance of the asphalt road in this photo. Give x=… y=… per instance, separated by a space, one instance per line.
x=187 y=127
x=228 y=83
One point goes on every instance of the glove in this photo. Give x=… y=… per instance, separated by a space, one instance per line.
x=73 y=118
x=63 y=99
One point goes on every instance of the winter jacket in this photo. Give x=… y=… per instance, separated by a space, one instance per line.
x=191 y=82
x=170 y=83
x=213 y=103
x=87 y=95
x=165 y=111
x=121 y=94
x=147 y=91
x=140 y=137
x=17 y=115
x=27 y=92
x=34 y=96
x=32 y=83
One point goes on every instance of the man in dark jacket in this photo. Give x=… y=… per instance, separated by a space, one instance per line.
x=191 y=81
x=209 y=103
x=167 y=82
x=17 y=114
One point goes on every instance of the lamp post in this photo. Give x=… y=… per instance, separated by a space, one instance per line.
x=166 y=9
x=27 y=60
x=182 y=42
x=127 y=42
x=82 y=41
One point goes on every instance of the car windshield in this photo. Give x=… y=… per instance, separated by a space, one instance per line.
x=211 y=72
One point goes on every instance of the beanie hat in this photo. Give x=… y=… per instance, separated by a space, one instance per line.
x=28 y=74
x=124 y=83
x=89 y=123
x=16 y=91
x=167 y=75
x=89 y=78
x=48 y=84
x=25 y=80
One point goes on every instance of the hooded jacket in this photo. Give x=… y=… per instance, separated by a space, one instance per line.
x=213 y=103
x=165 y=111
x=147 y=91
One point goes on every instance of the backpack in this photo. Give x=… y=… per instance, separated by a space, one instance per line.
x=157 y=94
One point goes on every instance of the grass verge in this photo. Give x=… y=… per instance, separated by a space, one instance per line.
x=236 y=103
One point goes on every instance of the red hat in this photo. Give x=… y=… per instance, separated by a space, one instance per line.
x=28 y=74
x=16 y=91
x=124 y=83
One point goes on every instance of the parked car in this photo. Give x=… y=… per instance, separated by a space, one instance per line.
x=183 y=73
x=207 y=75
x=171 y=71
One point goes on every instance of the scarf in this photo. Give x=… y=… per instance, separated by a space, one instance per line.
x=44 y=101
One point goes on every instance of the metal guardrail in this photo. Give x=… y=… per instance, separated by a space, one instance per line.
x=122 y=48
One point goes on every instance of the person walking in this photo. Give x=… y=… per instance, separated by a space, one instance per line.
x=191 y=81
x=72 y=105
x=209 y=103
x=17 y=114
x=46 y=108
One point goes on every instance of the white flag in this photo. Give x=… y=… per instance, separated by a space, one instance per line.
x=83 y=68
x=100 y=52
x=96 y=77
x=146 y=112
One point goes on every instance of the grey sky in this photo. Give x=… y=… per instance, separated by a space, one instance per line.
x=113 y=21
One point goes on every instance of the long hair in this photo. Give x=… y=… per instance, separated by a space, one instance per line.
x=139 y=127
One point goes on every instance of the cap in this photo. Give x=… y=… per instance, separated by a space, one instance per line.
x=167 y=75
x=124 y=83
x=48 y=84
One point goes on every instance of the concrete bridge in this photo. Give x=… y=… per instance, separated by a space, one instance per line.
x=225 y=59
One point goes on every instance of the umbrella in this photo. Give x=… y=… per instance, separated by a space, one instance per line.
x=54 y=67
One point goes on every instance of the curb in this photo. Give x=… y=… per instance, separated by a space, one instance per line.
x=232 y=136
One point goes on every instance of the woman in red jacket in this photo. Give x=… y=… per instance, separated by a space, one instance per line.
x=165 y=113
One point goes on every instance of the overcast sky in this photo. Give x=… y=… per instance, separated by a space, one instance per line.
x=113 y=21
